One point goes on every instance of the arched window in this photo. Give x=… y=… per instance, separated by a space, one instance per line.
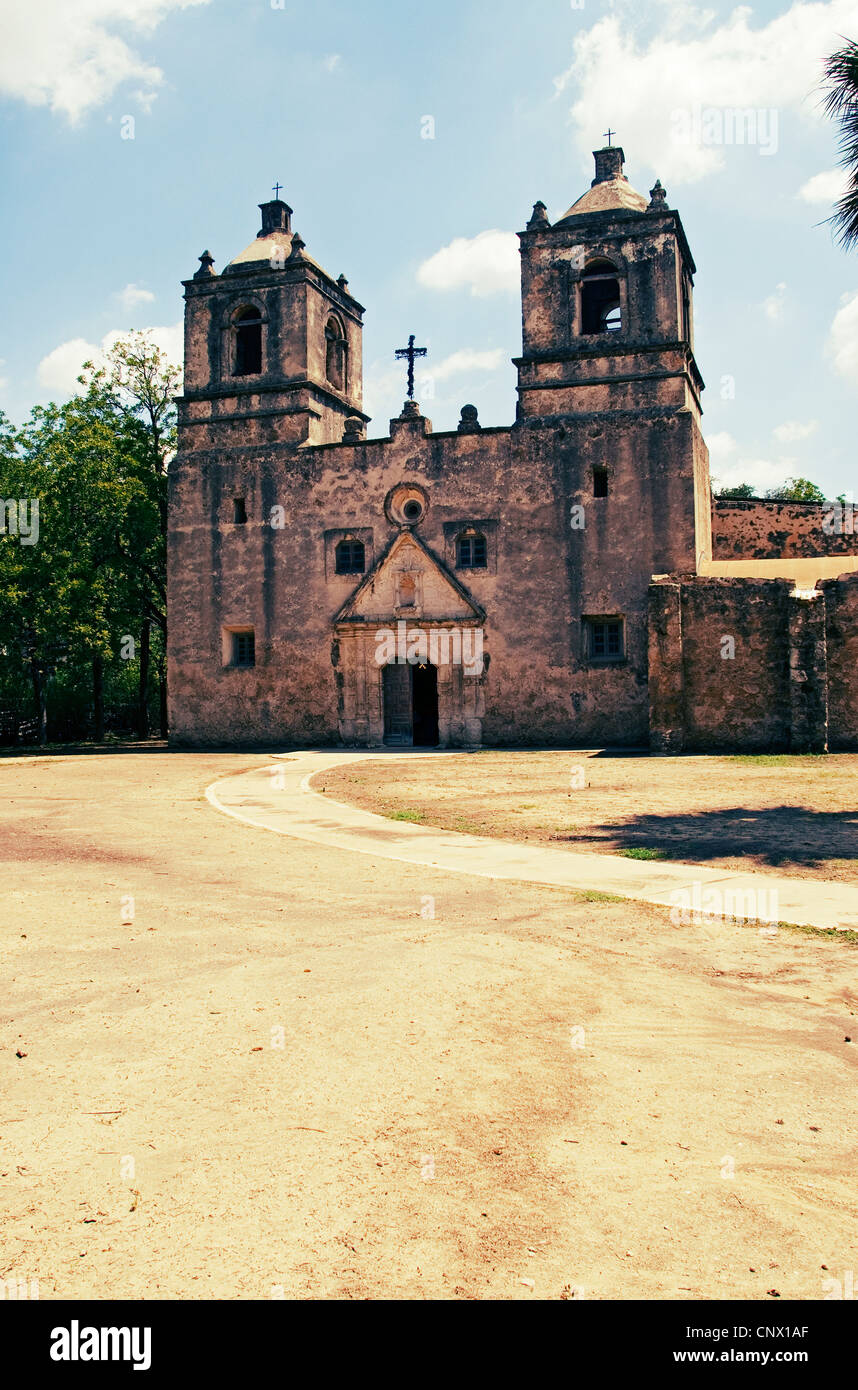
x=350 y=557
x=600 y=298
x=335 y=354
x=248 y=342
x=471 y=551
x=686 y=310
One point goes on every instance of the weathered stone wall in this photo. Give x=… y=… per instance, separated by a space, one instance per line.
x=650 y=363
x=757 y=529
x=841 y=614
x=621 y=406
x=740 y=702
x=752 y=665
x=545 y=577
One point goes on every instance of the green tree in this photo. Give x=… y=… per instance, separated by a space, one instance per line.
x=65 y=594
x=140 y=384
x=841 y=104
x=144 y=383
x=92 y=578
x=797 y=490
x=740 y=490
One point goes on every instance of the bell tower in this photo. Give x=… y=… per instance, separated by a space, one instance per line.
x=607 y=303
x=273 y=347
x=608 y=366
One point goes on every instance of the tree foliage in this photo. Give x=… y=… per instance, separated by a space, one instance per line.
x=793 y=490
x=78 y=605
x=740 y=490
x=797 y=490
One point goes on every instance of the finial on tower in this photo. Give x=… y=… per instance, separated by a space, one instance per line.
x=469 y=422
x=658 y=198
x=205 y=270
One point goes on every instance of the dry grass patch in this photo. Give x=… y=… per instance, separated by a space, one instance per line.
x=794 y=814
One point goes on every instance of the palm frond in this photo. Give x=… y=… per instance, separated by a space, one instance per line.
x=845 y=217
x=840 y=103
x=841 y=80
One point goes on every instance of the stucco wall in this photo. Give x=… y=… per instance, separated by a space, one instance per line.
x=741 y=701
x=546 y=575
x=753 y=665
x=841 y=608
x=753 y=528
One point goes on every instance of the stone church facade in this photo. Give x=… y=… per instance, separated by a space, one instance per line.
x=521 y=585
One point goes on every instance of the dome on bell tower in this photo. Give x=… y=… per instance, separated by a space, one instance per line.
x=610 y=188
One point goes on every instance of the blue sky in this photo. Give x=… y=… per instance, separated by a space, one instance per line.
x=331 y=98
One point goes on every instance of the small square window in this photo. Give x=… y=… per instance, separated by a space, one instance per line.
x=243 y=645
x=350 y=557
x=239 y=511
x=605 y=639
x=600 y=482
x=471 y=551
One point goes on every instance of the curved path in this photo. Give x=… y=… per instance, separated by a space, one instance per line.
x=239 y=1064
x=281 y=797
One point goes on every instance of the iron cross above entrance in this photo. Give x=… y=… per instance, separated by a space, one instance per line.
x=411 y=352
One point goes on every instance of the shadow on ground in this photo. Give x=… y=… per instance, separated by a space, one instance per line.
x=776 y=835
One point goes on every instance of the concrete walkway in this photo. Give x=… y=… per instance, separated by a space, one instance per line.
x=279 y=797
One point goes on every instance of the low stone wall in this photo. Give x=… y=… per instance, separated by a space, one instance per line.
x=841 y=627
x=755 y=528
x=752 y=665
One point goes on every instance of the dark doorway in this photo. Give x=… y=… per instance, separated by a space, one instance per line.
x=424 y=705
x=410 y=706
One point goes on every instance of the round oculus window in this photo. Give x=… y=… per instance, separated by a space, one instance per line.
x=406 y=504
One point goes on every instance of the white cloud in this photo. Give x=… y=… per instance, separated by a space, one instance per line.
x=69 y=56
x=774 y=305
x=332 y=62
x=487 y=263
x=467 y=360
x=721 y=445
x=843 y=339
x=132 y=295
x=791 y=431
x=59 y=370
x=762 y=474
x=661 y=90
x=826 y=188
x=730 y=467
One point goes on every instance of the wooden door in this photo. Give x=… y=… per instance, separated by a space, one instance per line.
x=396 y=689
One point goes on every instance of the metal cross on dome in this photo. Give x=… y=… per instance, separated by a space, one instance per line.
x=411 y=352
x=276 y=189
x=608 y=134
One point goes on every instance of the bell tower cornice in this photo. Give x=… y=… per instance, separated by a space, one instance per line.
x=273 y=346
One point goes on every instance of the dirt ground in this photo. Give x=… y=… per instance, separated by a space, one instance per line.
x=796 y=814
x=281 y=1080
